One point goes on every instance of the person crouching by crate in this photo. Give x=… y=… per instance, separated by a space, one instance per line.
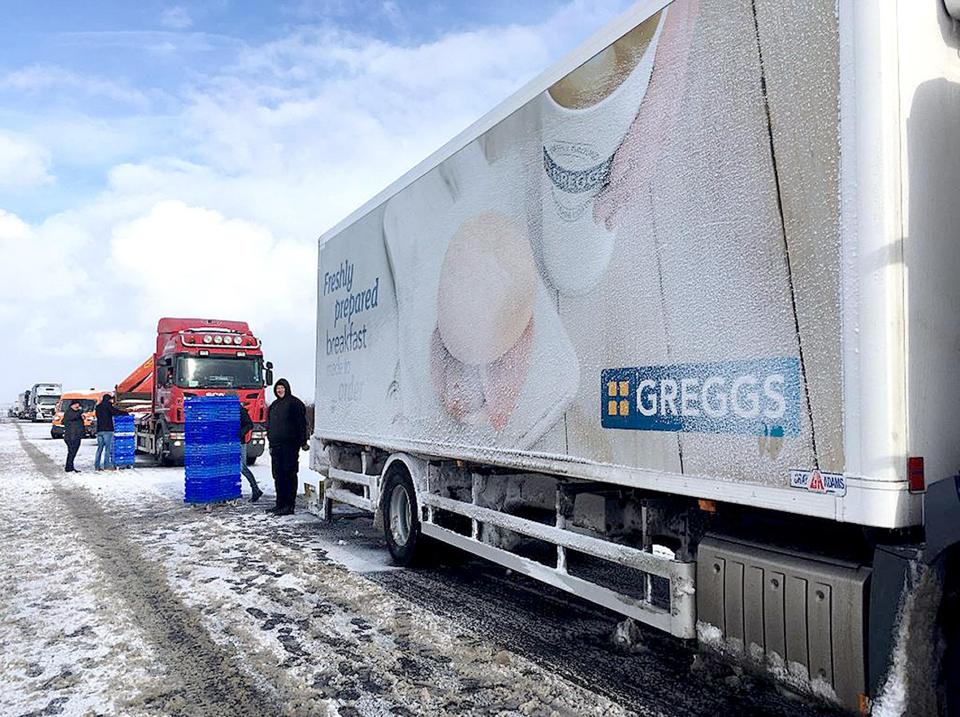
x=287 y=434
x=72 y=433
x=105 y=411
x=246 y=433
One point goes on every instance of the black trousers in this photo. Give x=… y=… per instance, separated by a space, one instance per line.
x=285 y=462
x=73 y=445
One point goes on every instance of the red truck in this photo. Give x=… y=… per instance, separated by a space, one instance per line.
x=195 y=357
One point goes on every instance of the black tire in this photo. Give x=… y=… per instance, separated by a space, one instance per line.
x=162 y=458
x=401 y=527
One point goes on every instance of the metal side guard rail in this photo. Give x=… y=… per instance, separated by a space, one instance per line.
x=679 y=620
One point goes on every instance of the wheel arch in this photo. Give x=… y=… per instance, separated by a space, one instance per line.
x=415 y=467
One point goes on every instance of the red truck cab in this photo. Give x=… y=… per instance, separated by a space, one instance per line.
x=195 y=357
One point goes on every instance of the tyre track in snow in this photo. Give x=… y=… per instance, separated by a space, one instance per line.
x=210 y=681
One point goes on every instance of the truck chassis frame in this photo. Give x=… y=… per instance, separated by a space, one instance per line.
x=362 y=489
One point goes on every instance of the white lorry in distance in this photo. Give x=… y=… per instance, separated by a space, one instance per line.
x=23 y=400
x=675 y=329
x=16 y=407
x=43 y=401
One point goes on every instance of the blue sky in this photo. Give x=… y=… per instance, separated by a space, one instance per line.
x=221 y=138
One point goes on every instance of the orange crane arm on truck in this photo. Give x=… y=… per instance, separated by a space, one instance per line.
x=137 y=388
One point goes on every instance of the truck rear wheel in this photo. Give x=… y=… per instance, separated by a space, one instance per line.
x=401 y=524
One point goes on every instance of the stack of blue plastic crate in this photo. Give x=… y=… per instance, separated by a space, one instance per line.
x=212 y=455
x=123 y=440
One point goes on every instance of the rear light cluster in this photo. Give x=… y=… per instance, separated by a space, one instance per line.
x=916 y=481
x=218 y=339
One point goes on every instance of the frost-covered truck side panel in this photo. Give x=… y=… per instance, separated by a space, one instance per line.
x=636 y=274
x=691 y=285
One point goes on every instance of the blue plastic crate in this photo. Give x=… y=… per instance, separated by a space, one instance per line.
x=206 y=438
x=214 y=463
x=220 y=448
x=124 y=448
x=211 y=451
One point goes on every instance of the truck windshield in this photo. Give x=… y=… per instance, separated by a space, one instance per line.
x=47 y=400
x=215 y=372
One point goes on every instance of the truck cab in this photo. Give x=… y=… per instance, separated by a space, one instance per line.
x=198 y=357
x=43 y=401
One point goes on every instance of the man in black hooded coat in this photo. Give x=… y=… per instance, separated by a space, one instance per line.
x=72 y=433
x=287 y=434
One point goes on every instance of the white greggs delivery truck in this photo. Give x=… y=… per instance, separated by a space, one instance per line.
x=676 y=328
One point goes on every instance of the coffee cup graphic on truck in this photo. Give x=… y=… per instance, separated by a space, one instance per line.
x=585 y=117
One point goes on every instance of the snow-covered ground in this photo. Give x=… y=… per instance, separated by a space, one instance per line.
x=119 y=599
x=278 y=627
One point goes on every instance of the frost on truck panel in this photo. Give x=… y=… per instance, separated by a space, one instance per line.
x=665 y=214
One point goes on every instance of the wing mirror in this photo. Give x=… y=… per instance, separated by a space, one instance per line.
x=268 y=374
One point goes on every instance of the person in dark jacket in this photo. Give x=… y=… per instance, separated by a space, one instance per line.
x=246 y=429
x=105 y=411
x=287 y=434
x=72 y=433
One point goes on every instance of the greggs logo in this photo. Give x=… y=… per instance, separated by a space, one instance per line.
x=758 y=397
x=618 y=393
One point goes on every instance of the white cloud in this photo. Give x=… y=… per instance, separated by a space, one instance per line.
x=186 y=260
x=176 y=17
x=325 y=119
x=23 y=163
x=35 y=79
x=40 y=263
x=12 y=229
x=120 y=344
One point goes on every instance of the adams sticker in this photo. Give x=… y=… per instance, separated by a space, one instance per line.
x=819 y=482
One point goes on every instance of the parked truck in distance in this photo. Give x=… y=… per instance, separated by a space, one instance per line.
x=675 y=329
x=19 y=408
x=194 y=357
x=43 y=400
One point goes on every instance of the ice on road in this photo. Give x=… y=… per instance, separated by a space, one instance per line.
x=119 y=599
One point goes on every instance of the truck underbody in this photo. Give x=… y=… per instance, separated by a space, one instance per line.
x=792 y=597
